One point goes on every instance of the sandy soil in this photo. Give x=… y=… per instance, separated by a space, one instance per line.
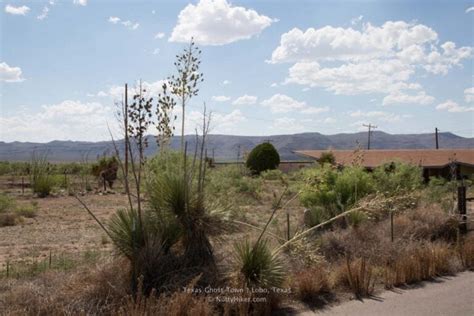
x=61 y=226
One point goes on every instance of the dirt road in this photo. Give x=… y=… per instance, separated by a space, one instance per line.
x=448 y=296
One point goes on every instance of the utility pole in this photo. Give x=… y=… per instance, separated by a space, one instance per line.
x=370 y=127
x=436 y=136
x=125 y=121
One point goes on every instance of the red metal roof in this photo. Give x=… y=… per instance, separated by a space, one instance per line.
x=376 y=157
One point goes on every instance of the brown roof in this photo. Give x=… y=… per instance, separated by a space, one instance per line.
x=375 y=157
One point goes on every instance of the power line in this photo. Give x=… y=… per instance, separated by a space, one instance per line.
x=370 y=126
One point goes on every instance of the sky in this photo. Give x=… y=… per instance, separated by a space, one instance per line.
x=270 y=67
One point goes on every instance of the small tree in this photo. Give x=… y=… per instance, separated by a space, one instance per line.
x=263 y=157
x=327 y=157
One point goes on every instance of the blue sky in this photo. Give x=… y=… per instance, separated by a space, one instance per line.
x=270 y=67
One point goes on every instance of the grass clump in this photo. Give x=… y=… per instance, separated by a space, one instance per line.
x=418 y=261
x=311 y=284
x=11 y=214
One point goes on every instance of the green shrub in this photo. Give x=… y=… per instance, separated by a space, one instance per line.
x=394 y=177
x=229 y=183
x=43 y=185
x=6 y=203
x=263 y=157
x=28 y=211
x=327 y=191
x=275 y=174
x=41 y=180
x=327 y=157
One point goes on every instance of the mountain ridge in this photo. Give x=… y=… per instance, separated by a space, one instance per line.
x=226 y=147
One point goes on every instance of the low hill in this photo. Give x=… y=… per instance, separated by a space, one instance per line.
x=227 y=147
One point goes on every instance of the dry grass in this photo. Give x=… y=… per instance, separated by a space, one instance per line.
x=310 y=284
x=359 y=276
x=466 y=252
x=419 y=261
x=180 y=303
x=85 y=291
x=427 y=222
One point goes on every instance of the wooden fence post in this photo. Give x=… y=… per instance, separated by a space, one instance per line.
x=288 y=225
x=391 y=226
x=462 y=208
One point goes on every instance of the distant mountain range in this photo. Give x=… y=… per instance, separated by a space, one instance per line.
x=227 y=147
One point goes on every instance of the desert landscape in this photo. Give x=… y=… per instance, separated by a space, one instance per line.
x=199 y=186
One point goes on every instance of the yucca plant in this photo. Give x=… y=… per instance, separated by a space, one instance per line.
x=258 y=265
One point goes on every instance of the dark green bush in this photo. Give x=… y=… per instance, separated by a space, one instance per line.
x=263 y=157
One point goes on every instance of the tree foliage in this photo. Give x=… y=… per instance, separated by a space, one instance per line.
x=263 y=157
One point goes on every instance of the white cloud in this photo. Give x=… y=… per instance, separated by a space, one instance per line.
x=336 y=43
x=376 y=59
x=398 y=97
x=80 y=2
x=357 y=20
x=44 y=13
x=220 y=98
x=281 y=103
x=217 y=22
x=288 y=125
x=377 y=115
x=470 y=9
x=117 y=92
x=220 y=122
x=226 y=82
x=114 y=19
x=23 y=10
x=159 y=35
x=469 y=95
x=314 y=110
x=245 y=100
x=374 y=76
x=64 y=121
x=453 y=107
x=274 y=85
x=156 y=51
x=10 y=74
x=329 y=120
x=128 y=24
x=226 y=122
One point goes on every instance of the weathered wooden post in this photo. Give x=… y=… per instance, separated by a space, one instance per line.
x=22 y=185
x=288 y=225
x=391 y=225
x=462 y=208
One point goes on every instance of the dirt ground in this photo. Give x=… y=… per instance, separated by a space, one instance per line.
x=61 y=227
